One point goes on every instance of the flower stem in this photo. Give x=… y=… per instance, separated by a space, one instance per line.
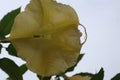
x=4 y=41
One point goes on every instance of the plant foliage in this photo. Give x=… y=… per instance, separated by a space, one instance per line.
x=11 y=50
x=0 y=48
x=15 y=72
x=11 y=69
x=7 y=22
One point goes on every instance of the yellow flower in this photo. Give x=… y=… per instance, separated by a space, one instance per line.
x=46 y=36
x=78 y=77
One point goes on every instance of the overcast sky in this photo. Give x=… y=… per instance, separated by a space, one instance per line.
x=102 y=21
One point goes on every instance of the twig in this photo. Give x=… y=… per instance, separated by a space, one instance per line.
x=4 y=41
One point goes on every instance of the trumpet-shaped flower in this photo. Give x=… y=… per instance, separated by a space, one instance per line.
x=46 y=36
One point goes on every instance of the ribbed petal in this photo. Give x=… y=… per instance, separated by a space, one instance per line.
x=46 y=36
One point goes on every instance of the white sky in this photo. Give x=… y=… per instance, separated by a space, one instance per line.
x=102 y=21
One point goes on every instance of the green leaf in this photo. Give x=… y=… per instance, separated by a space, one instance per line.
x=7 y=22
x=99 y=75
x=44 y=78
x=39 y=77
x=85 y=74
x=72 y=68
x=0 y=48
x=116 y=77
x=57 y=77
x=23 y=69
x=11 y=50
x=10 y=68
x=2 y=36
x=9 y=78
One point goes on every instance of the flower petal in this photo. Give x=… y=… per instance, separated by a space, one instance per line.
x=57 y=15
x=43 y=17
x=46 y=36
x=25 y=26
x=78 y=77
x=47 y=56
